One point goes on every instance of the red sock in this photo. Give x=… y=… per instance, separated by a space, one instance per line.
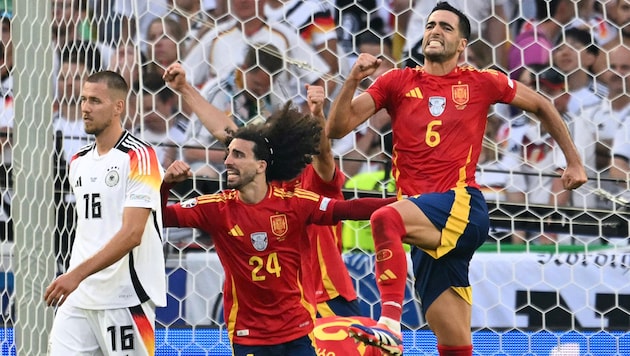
x=455 y=350
x=391 y=260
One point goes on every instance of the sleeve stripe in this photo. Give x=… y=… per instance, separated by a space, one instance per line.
x=142 y=152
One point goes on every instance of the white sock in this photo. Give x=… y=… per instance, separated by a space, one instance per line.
x=392 y=324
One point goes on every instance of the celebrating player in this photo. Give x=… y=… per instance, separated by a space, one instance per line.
x=438 y=116
x=260 y=232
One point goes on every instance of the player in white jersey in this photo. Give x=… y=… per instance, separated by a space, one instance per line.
x=107 y=299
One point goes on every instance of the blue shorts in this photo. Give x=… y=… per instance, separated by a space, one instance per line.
x=299 y=347
x=338 y=306
x=461 y=214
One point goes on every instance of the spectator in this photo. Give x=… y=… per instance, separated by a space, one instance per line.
x=356 y=17
x=165 y=39
x=222 y=50
x=6 y=125
x=162 y=126
x=197 y=17
x=70 y=20
x=135 y=17
x=535 y=39
x=245 y=95
x=619 y=79
x=529 y=151
x=573 y=57
x=126 y=60
x=313 y=19
x=618 y=20
x=71 y=24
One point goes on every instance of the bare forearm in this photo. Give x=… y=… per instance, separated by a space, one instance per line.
x=337 y=125
x=118 y=247
x=213 y=119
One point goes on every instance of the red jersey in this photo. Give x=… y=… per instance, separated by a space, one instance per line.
x=438 y=123
x=331 y=337
x=261 y=247
x=329 y=271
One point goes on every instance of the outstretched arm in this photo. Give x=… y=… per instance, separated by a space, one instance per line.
x=213 y=119
x=358 y=209
x=527 y=99
x=347 y=111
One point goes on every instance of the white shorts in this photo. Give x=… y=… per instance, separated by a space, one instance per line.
x=126 y=331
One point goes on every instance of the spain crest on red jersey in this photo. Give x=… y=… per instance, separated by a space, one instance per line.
x=279 y=225
x=460 y=95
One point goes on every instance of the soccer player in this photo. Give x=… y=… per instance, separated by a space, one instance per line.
x=438 y=116
x=107 y=299
x=334 y=290
x=260 y=232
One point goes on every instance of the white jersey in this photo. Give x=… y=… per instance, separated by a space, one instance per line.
x=129 y=175
x=222 y=50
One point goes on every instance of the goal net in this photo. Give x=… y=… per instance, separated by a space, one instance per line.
x=552 y=278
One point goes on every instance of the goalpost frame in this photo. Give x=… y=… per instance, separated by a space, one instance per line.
x=33 y=207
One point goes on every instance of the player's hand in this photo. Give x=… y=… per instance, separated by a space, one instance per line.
x=365 y=65
x=175 y=76
x=177 y=172
x=315 y=97
x=573 y=176
x=58 y=291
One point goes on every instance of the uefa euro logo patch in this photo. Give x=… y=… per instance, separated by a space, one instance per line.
x=259 y=240
x=437 y=104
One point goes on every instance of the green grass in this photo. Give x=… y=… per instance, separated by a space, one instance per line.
x=505 y=248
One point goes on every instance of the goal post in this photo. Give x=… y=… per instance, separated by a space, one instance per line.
x=32 y=205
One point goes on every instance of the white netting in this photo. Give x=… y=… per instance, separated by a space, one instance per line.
x=553 y=274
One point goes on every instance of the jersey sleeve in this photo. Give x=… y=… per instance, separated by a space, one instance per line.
x=145 y=179
x=193 y=212
x=499 y=87
x=313 y=182
x=382 y=88
x=319 y=209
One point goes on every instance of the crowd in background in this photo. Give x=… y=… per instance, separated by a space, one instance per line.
x=576 y=52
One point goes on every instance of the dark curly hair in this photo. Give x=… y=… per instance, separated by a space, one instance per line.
x=286 y=141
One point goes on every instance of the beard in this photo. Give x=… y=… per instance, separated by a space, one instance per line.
x=242 y=179
x=437 y=57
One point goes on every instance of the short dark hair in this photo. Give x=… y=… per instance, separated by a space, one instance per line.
x=82 y=52
x=152 y=83
x=286 y=141
x=369 y=37
x=464 y=22
x=263 y=56
x=582 y=36
x=112 y=79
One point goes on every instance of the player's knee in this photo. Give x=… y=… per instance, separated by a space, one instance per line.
x=387 y=218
